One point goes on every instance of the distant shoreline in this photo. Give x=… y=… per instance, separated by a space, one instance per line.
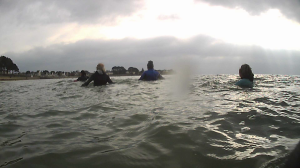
x=16 y=78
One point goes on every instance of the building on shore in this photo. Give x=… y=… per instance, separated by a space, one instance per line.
x=133 y=71
x=118 y=70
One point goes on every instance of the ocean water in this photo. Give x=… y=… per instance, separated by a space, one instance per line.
x=201 y=122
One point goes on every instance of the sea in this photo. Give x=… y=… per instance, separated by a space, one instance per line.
x=195 y=121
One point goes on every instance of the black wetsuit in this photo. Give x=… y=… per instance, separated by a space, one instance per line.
x=82 y=78
x=293 y=159
x=99 y=79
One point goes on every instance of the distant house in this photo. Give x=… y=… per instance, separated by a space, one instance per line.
x=133 y=70
x=67 y=73
x=76 y=73
x=38 y=73
x=118 y=70
x=59 y=73
x=45 y=73
x=109 y=72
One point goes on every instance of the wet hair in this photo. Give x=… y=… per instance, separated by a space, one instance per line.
x=83 y=73
x=246 y=72
x=150 y=65
x=100 y=66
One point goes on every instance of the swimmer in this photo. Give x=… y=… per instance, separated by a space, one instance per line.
x=99 y=77
x=246 y=75
x=150 y=74
x=82 y=77
x=293 y=160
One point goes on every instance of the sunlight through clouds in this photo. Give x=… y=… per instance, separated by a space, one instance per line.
x=184 y=19
x=219 y=35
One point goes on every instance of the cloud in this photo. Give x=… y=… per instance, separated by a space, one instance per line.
x=207 y=55
x=52 y=35
x=56 y=11
x=168 y=17
x=30 y=23
x=289 y=8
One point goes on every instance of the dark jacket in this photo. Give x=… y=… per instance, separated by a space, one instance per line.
x=82 y=78
x=99 y=78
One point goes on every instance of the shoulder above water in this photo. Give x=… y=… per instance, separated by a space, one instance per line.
x=244 y=83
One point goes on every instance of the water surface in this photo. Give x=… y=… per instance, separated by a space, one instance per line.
x=202 y=122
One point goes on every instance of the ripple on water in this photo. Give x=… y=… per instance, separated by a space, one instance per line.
x=67 y=135
x=9 y=127
x=84 y=116
x=52 y=113
x=207 y=123
x=54 y=125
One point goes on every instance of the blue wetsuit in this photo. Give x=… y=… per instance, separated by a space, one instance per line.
x=244 y=83
x=150 y=74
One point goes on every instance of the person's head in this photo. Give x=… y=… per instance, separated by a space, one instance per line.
x=82 y=73
x=100 y=66
x=246 y=72
x=150 y=65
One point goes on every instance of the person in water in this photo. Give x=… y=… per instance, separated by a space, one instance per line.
x=150 y=74
x=246 y=75
x=293 y=159
x=82 y=77
x=99 y=77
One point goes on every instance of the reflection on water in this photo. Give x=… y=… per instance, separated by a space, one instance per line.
x=204 y=121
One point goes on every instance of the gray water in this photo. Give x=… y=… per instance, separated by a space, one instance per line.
x=203 y=122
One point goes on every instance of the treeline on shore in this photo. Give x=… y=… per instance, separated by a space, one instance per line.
x=8 y=70
x=7 y=65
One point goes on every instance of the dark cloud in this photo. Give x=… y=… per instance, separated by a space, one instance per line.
x=32 y=22
x=290 y=8
x=205 y=55
x=57 y=11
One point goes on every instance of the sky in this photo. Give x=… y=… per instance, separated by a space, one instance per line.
x=207 y=36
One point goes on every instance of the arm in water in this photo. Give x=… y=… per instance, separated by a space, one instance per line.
x=89 y=80
x=109 y=80
x=143 y=76
x=160 y=77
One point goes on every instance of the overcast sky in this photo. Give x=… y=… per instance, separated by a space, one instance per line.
x=211 y=36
